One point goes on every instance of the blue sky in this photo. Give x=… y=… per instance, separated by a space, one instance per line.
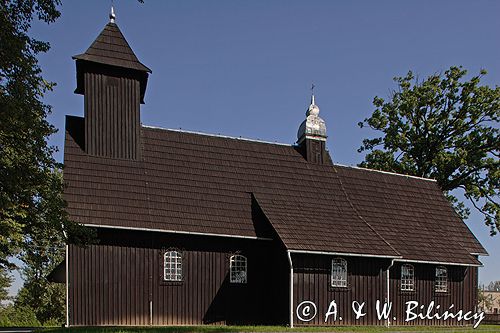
x=244 y=68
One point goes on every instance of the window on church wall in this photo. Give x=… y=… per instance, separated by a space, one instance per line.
x=407 y=278
x=441 y=283
x=339 y=273
x=238 y=269
x=172 y=266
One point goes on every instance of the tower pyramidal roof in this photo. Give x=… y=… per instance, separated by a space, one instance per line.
x=111 y=48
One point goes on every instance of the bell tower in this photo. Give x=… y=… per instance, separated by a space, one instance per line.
x=113 y=82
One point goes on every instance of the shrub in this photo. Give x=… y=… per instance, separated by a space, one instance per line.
x=21 y=316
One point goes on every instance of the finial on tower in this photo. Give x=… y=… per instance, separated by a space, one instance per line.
x=313 y=108
x=112 y=15
x=312 y=94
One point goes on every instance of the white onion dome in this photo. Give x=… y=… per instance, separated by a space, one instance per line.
x=313 y=108
x=313 y=126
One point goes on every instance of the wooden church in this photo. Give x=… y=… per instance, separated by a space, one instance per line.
x=197 y=228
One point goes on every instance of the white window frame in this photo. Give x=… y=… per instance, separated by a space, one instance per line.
x=407 y=277
x=338 y=277
x=172 y=265
x=238 y=269
x=441 y=282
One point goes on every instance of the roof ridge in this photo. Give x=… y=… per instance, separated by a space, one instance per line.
x=280 y=144
x=216 y=135
x=386 y=172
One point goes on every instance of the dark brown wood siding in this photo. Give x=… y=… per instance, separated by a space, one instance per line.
x=462 y=292
x=108 y=285
x=367 y=281
x=314 y=151
x=366 y=278
x=112 y=118
x=118 y=284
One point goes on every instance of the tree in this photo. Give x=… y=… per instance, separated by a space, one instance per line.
x=31 y=204
x=32 y=210
x=5 y=282
x=47 y=300
x=445 y=128
x=11 y=316
x=485 y=302
x=493 y=286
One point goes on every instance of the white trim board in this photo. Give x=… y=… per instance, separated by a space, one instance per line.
x=437 y=262
x=484 y=254
x=345 y=254
x=396 y=258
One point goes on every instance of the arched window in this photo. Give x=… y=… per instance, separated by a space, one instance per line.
x=238 y=269
x=441 y=283
x=172 y=266
x=407 y=278
x=339 y=273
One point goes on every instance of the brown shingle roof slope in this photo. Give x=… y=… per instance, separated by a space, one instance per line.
x=111 y=48
x=204 y=184
x=412 y=214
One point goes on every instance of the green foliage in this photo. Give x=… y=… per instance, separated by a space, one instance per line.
x=12 y=316
x=45 y=298
x=33 y=223
x=31 y=204
x=5 y=282
x=445 y=128
x=50 y=309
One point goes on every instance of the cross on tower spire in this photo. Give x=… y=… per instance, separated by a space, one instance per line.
x=112 y=16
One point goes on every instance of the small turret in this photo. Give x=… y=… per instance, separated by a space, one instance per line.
x=311 y=137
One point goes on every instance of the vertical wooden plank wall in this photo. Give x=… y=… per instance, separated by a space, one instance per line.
x=108 y=285
x=462 y=292
x=112 y=116
x=366 y=283
x=114 y=285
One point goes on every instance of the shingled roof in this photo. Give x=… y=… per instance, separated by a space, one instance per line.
x=111 y=48
x=195 y=183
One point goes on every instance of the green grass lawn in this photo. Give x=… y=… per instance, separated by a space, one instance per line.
x=223 y=329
